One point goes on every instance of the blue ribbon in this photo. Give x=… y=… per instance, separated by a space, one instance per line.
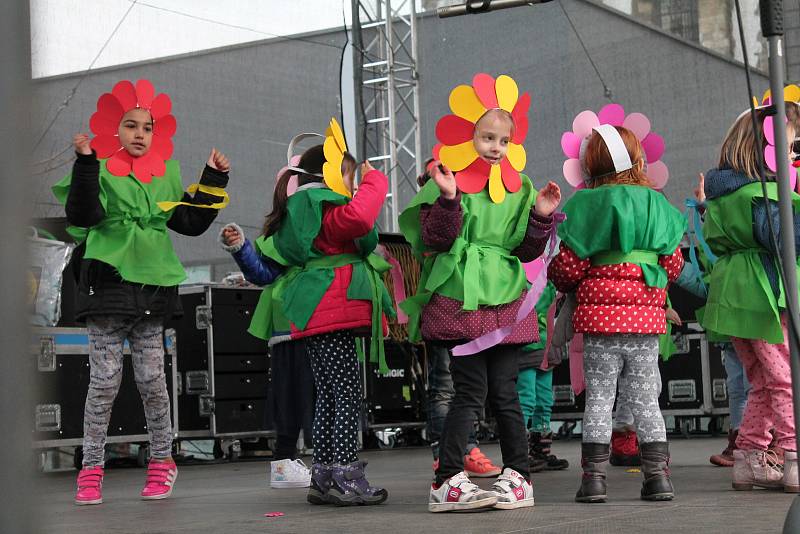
x=694 y=226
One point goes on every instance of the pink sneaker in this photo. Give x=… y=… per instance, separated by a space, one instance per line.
x=90 y=486
x=161 y=477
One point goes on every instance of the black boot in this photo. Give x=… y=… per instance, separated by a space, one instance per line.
x=553 y=463
x=536 y=462
x=594 y=460
x=655 y=467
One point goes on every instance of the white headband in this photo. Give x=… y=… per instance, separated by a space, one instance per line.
x=290 y=152
x=616 y=147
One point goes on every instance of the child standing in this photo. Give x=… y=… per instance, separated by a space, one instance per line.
x=619 y=261
x=473 y=242
x=331 y=290
x=746 y=298
x=120 y=207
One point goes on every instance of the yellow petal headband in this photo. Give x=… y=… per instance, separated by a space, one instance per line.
x=333 y=148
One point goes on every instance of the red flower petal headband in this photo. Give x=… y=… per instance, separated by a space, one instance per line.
x=111 y=107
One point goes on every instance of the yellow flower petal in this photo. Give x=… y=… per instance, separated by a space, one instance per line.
x=497 y=191
x=464 y=103
x=333 y=178
x=516 y=156
x=458 y=157
x=767 y=94
x=332 y=151
x=507 y=92
x=335 y=131
x=791 y=93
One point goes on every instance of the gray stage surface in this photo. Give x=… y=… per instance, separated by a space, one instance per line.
x=233 y=498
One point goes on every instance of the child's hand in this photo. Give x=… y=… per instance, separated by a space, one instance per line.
x=700 y=191
x=547 y=200
x=231 y=236
x=82 y=146
x=444 y=178
x=672 y=315
x=219 y=161
x=366 y=167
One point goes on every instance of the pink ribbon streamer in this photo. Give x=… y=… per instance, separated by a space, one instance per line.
x=576 y=378
x=538 y=271
x=398 y=286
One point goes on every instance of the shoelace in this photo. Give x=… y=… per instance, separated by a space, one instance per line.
x=771 y=459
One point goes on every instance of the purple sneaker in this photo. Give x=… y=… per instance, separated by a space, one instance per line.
x=350 y=486
x=321 y=480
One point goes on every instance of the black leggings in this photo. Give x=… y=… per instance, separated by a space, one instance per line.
x=292 y=396
x=338 y=409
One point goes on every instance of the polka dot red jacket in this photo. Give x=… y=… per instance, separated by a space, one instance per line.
x=613 y=299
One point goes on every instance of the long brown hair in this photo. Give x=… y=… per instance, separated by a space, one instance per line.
x=312 y=161
x=599 y=165
x=738 y=150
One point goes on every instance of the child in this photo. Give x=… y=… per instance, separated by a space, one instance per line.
x=290 y=369
x=473 y=281
x=330 y=290
x=120 y=208
x=620 y=246
x=746 y=301
x=440 y=395
x=535 y=389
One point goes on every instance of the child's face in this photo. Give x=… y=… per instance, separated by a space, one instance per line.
x=136 y=132
x=491 y=138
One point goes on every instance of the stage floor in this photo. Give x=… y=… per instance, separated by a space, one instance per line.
x=233 y=498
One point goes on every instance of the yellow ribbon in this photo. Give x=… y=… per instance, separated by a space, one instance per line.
x=216 y=191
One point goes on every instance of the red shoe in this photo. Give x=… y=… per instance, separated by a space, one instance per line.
x=90 y=486
x=476 y=464
x=725 y=458
x=624 y=449
x=161 y=477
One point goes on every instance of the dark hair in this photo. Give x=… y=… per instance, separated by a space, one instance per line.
x=312 y=161
x=423 y=178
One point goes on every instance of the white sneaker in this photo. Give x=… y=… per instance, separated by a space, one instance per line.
x=459 y=494
x=289 y=474
x=512 y=490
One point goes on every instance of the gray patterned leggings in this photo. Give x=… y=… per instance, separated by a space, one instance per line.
x=635 y=357
x=107 y=335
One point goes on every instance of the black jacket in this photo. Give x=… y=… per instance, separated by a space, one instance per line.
x=101 y=290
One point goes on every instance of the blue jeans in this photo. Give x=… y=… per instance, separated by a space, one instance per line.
x=738 y=386
x=440 y=394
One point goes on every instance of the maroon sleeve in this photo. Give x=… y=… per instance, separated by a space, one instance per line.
x=567 y=270
x=673 y=264
x=356 y=218
x=441 y=222
x=535 y=240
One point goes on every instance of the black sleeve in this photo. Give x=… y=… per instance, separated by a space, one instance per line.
x=193 y=221
x=83 y=201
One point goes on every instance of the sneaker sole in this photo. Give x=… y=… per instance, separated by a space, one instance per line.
x=747 y=486
x=314 y=498
x=163 y=495
x=659 y=497
x=280 y=484
x=356 y=500
x=85 y=503
x=472 y=506
x=524 y=503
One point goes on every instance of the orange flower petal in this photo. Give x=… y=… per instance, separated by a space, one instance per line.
x=465 y=103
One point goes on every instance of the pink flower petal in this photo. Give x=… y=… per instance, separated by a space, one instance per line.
x=166 y=126
x=584 y=122
x=291 y=185
x=120 y=164
x=573 y=172
x=160 y=106
x=453 y=130
x=769 y=130
x=145 y=93
x=613 y=114
x=769 y=157
x=484 y=88
x=658 y=174
x=105 y=145
x=126 y=94
x=638 y=124
x=653 y=146
x=571 y=145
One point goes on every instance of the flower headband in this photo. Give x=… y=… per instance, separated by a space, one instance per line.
x=573 y=143
x=455 y=133
x=333 y=148
x=791 y=93
x=111 y=107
